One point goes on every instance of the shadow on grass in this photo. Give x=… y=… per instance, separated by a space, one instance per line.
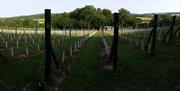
x=138 y=73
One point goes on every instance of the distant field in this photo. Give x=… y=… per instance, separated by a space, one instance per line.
x=41 y=21
x=145 y=19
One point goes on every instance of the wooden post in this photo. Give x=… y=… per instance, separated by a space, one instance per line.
x=17 y=43
x=27 y=50
x=169 y=34
x=115 y=41
x=152 y=37
x=38 y=46
x=154 y=34
x=36 y=33
x=84 y=32
x=69 y=33
x=48 y=67
x=65 y=34
x=63 y=57
x=171 y=31
x=3 y=35
x=176 y=31
x=12 y=51
x=76 y=34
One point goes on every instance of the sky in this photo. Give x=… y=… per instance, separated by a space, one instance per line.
x=9 y=8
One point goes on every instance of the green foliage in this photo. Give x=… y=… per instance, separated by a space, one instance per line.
x=178 y=20
x=21 y=21
x=13 y=22
x=126 y=18
x=166 y=20
x=62 y=21
x=86 y=17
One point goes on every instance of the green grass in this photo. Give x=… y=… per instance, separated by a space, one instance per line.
x=139 y=72
x=14 y=75
x=148 y=73
x=85 y=70
x=22 y=49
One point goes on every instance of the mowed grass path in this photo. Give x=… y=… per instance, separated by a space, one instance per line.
x=138 y=72
x=86 y=73
x=83 y=76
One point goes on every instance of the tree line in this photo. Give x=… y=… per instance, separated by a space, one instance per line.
x=86 y=17
x=90 y=17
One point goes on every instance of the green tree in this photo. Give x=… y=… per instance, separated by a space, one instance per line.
x=165 y=19
x=28 y=23
x=126 y=18
x=62 y=21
